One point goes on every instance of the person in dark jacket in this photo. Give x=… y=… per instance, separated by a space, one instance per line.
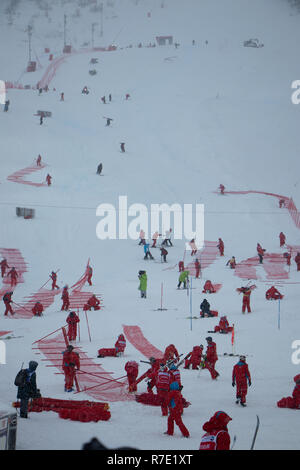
x=163 y=254
x=28 y=390
x=205 y=309
x=99 y=169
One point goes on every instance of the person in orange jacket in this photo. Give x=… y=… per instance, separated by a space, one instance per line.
x=240 y=377
x=211 y=358
x=70 y=363
x=132 y=370
x=37 y=309
x=72 y=320
x=194 y=358
x=175 y=407
x=282 y=239
x=65 y=299
x=216 y=435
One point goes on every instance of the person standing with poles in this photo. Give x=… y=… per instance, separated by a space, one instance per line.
x=70 y=364
x=163 y=254
x=27 y=388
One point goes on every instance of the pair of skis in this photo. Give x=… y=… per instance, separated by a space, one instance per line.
x=254 y=436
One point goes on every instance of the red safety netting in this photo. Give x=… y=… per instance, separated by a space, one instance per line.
x=136 y=338
x=14 y=259
x=92 y=378
x=44 y=296
x=2 y=333
x=274 y=265
x=18 y=176
x=206 y=256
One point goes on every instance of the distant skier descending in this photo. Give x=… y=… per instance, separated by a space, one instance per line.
x=260 y=252
x=39 y=160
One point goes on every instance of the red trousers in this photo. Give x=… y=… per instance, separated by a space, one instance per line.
x=69 y=377
x=241 y=390
x=72 y=332
x=54 y=285
x=8 y=308
x=163 y=395
x=65 y=305
x=246 y=304
x=210 y=365
x=175 y=417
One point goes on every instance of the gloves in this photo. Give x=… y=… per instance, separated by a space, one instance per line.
x=233 y=384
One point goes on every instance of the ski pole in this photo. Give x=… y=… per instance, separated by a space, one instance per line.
x=22 y=307
x=255 y=433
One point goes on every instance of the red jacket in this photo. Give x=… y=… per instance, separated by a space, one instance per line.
x=217 y=436
x=120 y=344
x=175 y=402
x=208 y=286
x=93 y=302
x=71 y=359
x=297 y=258
x=196 y=354
x=72 y=319
x=240 y=373
x=296 y=394
x=163 y=380
x=65 y=294
x=170 y=352
x=37 y=309
x=260 y=250
x=211 y=352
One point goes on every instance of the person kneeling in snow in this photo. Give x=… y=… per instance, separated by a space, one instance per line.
x=117 y=351
x=208 y=288
x=93 y=302
x=38 y=309
x=294 y=400
x=273 y=294
x=223 y=326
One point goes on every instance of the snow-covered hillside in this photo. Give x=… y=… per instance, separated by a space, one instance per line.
x=198 y=115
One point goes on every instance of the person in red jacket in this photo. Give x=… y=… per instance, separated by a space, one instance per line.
x=132 y=370
x=72 y=320
x=174 y=402
x=120 y=345
x=7 y=299
x=93 y=302
x=260 y=252
x=65 y=299
x=194 y=358
x=197 y=268
x=48 y=179
x=208 y=288
x=39 y=160
x=282 y=239
x=246 y=291
x=70 y=363
x=240 y=377
x=89 y=275
x=181 y=266
x=211 y=358
x=297 y=260
x=273 y=294
x=37 y=309
x=174 y=373
x=4 y=266
x=216 y=435
x=294 y=400
x=13 y=276
x=152 y=373
x=171 y=353
x=287 y=256
x=53 y=276
x=221 y=247
x=162 y=386
x=222 y=188
x=223 y=326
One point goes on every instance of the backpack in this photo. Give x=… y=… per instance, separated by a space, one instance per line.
x=21 y=378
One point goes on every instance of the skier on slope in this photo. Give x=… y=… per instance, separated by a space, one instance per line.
x=222 y=188
x=147 y=251
x=163 y=254
x=287 y=256
x=142 y=237
x=70 y=363
x=193 y=246
x=99 y=169
x=197 y=268
x=181 y=266
x=216 y=435
x=65 y=299
x=260 y=252
x=154 y=239
x=48 y=179
x=246 y=291
x=122 y=146
x=211 y=358
x=240 y=377
x=167 y=240
x=72 y=320
x=174 y=403
x=39 y=160
x=89 y=275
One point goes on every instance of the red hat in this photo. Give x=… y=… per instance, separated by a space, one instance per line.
x=222 y=417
